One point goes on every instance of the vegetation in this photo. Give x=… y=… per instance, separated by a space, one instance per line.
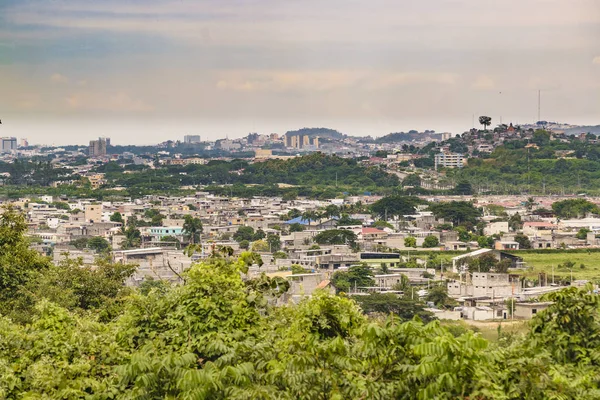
x=72 y=332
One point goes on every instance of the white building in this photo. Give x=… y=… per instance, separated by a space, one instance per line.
x=449 y=160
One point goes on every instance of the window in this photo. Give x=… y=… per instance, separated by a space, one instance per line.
x=534 y=310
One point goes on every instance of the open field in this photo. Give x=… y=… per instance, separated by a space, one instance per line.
x=488 y=329
x=547 y=262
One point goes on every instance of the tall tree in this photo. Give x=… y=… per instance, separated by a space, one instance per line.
x=192 y=227
x=485 y=121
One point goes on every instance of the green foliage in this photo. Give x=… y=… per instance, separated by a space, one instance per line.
x=296 y=227
x=412 y=180
x=18 y=263
x=382 y=224
x=357 y=276
x=393 y=304
x=410 y=241
x=117 y=217
x=98 y=244
x=458 y=212
x=395 y=206
x=192 y=228
x=431 y=241
x=574 y=208
x=524 y=242
x=582 y=234
x=336 y=236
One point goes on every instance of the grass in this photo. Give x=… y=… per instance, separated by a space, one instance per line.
x=487 y=329
x=546 y=262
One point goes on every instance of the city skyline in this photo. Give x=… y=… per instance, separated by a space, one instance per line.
x=152 y=71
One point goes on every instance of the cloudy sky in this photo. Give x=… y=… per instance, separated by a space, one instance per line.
x=148 y=71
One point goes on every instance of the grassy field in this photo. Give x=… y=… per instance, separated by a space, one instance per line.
x=487 y=329
x=546 y=262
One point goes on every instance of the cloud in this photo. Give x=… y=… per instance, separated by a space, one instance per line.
x=117 y=102
x=59 y=78
x=323 y=81
x=596 y=60
x=483 y=82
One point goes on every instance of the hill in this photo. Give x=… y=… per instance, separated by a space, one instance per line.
x=595 y=129
x=320 y=132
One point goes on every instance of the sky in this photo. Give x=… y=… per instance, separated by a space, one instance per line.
x=141 y=72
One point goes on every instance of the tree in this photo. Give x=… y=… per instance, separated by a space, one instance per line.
x=244 y=244
x=485 y=121
x=438 y=295
x=458 y=212
x=412 y=180
x=192 y=228
x=431 y=241
x=274 y=242
x=523 y=241
x=171 y=240
x=395 y=206
x=133 y=237
x=382 y=224
x=296 y=227
x=260 y=246
x=356 y=276
x=331 y=211
x=336 y=236
x=98 y=244
x=117 y=217
x=18 y=263
x=410 y=241
x=574 y=208
x=464 y=188
x=582 y=234
x=392 y=304
x=244 y=233
x=259 y=234
x=515 y=222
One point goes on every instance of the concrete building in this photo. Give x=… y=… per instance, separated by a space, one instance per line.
x=191 y=139
x=8 y=144
x=156 y=263
x=98 y=147
x=449 y=160
x=486 y=284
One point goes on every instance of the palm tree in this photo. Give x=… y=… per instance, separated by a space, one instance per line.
x=310 y=215
x=192 y=227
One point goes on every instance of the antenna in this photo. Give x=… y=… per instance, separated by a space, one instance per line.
x=539 y=104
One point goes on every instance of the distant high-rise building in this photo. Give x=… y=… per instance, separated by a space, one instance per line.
x=301 y=141
x=98 y=147
x=191 y=139
x=23 y=142
x=8 y=144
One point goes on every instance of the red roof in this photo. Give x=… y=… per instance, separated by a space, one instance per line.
x=371 y=231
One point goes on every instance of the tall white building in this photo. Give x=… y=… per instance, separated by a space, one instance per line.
x=449 y=160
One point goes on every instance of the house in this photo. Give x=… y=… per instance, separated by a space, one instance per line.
x=538 y=229
x=155 y=263
x=485 y=284
x=496 y=228
x=529 y=310
x=506 y=245
x=499 y=255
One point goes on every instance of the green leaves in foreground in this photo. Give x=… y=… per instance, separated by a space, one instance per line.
x=217 y=337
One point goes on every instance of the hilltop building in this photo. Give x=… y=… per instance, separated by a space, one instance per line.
x=191 y=139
